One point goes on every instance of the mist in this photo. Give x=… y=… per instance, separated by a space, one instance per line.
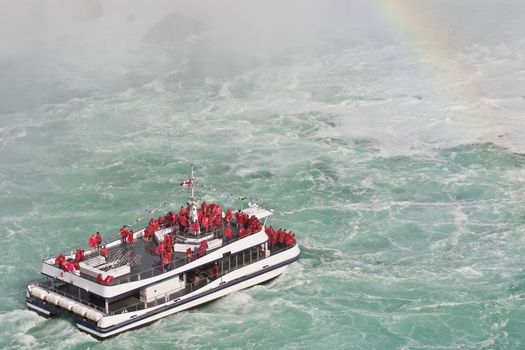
x=85 y=46
x=335 y=56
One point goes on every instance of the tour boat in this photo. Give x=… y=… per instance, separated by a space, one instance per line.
x=177 y=262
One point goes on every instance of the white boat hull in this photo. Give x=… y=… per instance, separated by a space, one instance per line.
x=245 y=277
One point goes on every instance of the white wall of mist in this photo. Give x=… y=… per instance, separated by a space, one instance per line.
x=348 y=58
x=264 y=26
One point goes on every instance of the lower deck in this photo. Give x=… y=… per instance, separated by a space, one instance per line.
x=105 y=326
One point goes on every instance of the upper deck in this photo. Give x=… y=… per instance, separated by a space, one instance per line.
x=136 y=265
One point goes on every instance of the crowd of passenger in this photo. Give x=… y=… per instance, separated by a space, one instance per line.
x=209 y=218
x=280 y=236
x=127 y=236
x=165 y=250
x=70 y=265
x=199 y=251
x=247 y=225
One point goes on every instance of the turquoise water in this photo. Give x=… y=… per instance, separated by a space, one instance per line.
x=407 y=199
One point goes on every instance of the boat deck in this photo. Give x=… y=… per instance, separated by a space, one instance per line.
x=144 y=260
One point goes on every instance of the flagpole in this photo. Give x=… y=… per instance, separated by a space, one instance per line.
x=191 y=184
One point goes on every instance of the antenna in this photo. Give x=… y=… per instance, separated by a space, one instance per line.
x=191 y=183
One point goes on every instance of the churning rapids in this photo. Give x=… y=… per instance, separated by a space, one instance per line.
x=388 y=134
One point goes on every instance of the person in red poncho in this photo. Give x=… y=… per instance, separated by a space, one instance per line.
x=92 y=241
x=268 y=231
x=273 y=236
x=168 y=219
x=79 y=255
x=183 y=221
x=204 y=208
x=228 y=215
x=123 y=233
x=204 y=222
x=60 y=259
x=195 y=227
x=130 y=238
x=237 y=216
x=211 y=208
x=189 y=255
x=68 y=266
x=242 y=232
x=228 y=232
x=279 y=235
x=98 y=240
x=160 y=248
x=148 y=231
x=217 y=211
x=168 y=241
x=243 y=218
x=253 y=225
x=215 y=271
x=202 y=248
x=104 y=251
x=217 y=221
x=166 y=259
x=104 y=281
x=290 y=239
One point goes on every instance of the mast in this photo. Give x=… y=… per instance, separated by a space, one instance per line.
x=192 y=204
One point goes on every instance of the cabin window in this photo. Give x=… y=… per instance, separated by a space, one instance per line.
x=226 y=264
x=226 y=261
x=233 y=261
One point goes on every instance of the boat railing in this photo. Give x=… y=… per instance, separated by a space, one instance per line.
x=47 y=285
x=204 y=279
x=115 y=237
x=168 y=296
x=160 y=269
x=155 y=270
x=87 y=254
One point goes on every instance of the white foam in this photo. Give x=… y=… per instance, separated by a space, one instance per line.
x=26 y=341
x=156 y=85
x=469 y=272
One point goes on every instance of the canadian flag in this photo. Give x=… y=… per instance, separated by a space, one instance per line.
x=187 y=182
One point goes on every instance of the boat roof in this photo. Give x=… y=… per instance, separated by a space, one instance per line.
x=258 y=212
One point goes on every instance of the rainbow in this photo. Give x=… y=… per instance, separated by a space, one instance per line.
x=428 y=41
